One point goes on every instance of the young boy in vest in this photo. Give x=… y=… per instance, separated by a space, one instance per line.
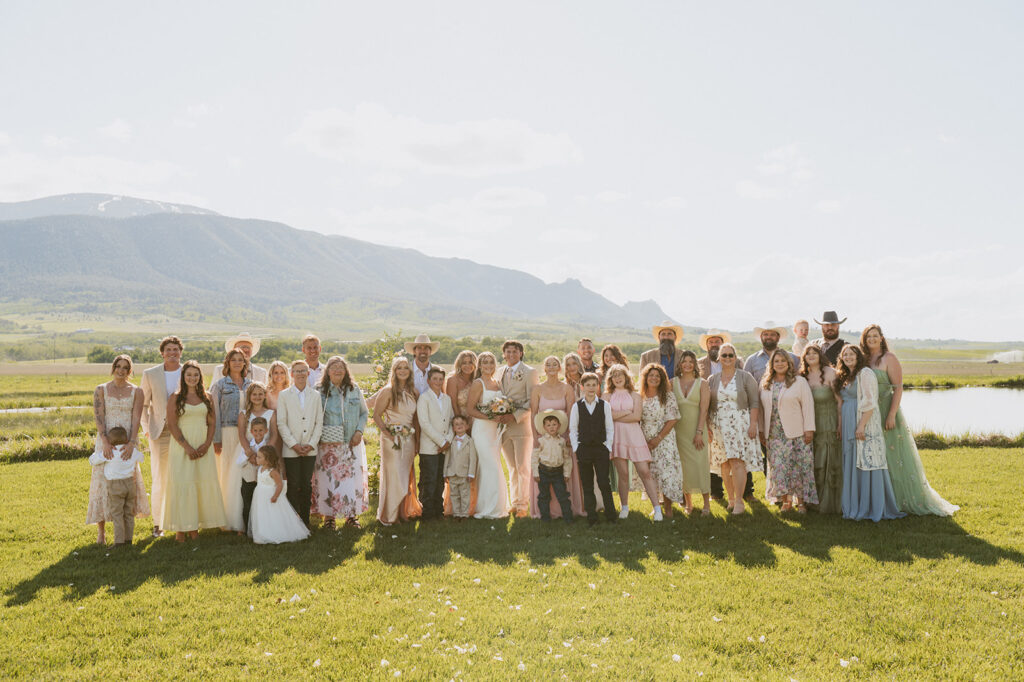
x=590 y=433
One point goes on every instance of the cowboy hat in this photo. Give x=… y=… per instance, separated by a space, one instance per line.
x=830 y=317
x=422 y=340
x=244 y=337
x=658 y=328
x=712 y=333
x=563 y=421
x=770 y=327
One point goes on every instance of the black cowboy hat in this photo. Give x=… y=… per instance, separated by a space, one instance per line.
x=830 y=317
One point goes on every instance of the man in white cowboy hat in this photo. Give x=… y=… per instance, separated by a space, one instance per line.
x=666 y=354
x=421 y=348
x=770 y=335
x=249 y=346
x=710 y=342
x=830 y=343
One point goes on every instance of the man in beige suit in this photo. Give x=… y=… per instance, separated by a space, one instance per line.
x=158 y=384
x=434 y=412
x=517 y=380
x=300 y=419
x=666 y=354
x=710 y=343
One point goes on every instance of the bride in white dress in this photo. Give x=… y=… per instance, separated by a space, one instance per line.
x=492 y=490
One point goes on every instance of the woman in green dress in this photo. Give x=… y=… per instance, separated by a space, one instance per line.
x=828 y=449
x=909 y=483
x=692 y=397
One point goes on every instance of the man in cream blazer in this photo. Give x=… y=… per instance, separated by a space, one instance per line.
x=434 y=412
x=300 y=419
x=158 y=384
x=517 y=381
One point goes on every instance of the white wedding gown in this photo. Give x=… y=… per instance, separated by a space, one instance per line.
x=491 y=487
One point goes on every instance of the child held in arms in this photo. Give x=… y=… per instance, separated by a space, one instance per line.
x=119 y=471
x=460 y=468
x=801 y=328
x=552 y=463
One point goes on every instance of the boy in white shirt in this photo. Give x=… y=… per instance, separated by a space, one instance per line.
x=591 y=430
x=258 y=429
x=552 y=463
x=120 y=474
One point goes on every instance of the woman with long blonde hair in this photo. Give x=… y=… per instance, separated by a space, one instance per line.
x=394 y=414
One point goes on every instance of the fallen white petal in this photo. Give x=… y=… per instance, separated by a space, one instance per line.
x=716 y=619
x=843 y=662
x=676 y=658
x=383 y=663
x=316 y=663
x=295 y=597
x=521 y=666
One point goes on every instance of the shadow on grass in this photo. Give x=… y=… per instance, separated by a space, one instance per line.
x=752 y=541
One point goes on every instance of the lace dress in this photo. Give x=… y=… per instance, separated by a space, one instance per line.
x=117 y=412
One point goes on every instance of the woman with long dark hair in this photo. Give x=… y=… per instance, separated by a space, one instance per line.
x=787 y=431
x=828 y=450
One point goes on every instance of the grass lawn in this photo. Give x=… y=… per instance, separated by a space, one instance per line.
x=763 y=596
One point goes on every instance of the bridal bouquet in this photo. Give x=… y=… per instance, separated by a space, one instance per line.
x=398 y=432
x=498 y=406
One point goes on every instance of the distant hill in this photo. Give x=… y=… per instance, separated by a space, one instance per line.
x=145 y=256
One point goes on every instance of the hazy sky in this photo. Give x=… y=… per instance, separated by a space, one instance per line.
x=736 y=162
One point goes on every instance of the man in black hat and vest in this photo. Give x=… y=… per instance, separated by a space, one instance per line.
x=830 y=343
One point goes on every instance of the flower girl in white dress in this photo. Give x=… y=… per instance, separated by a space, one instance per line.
x=272 y=520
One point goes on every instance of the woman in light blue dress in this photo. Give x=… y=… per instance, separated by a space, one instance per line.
x=867 y=489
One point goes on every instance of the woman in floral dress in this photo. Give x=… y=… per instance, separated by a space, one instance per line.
x=787 y=432
x=657 y=420
x=736 y=406
x=339 y=480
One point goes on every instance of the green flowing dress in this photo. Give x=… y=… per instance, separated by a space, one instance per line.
x=828 y=452
x=696 y=466
x=909 y=483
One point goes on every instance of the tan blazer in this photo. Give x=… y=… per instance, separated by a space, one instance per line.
x=796 y=409
x=519 y=389
x=704 y=366
x=256 y=373
x=298 y=425
x=435 y=422
x=154 y=401
x=654 y=356
x=461 y=460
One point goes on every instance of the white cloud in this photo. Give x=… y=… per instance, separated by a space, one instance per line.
x=506 y=198
x=829 y=205
x=748 y=189
x=385 y=179
x=29 y=176
x=667 y=204
x=52 y=141
x=118 y=129
x=787 y=162
x=608 y=196
x=948 y=139
x=372 y=135
x=5 y=139
x=193 y=113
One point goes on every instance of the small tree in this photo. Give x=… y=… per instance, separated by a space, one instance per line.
x=384 y=352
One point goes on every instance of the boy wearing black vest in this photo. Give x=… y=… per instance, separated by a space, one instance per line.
x=590 y=433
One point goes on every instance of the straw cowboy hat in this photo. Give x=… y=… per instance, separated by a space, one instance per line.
x=770 y=327
x=563 y=421
x=658 y=328
x=830 y=317
x=712 y=333
x=244 y=337
x=422 y=340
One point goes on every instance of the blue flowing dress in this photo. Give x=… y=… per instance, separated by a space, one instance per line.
x=866 y=494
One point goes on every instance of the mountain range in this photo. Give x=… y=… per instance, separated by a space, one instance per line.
x=105 y=253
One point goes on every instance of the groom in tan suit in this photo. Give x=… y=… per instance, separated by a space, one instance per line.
x=517 y=380
x=158 y=384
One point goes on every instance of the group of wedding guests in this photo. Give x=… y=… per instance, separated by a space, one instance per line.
x=822 y=421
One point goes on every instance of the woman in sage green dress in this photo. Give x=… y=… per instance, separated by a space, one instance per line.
x=692 y=397
x=828 y=450
x=913 y=493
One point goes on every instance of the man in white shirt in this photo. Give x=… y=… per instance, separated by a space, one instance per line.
x=517 y=381
x=421 y=348
x=158 y=384
x=311 y=349
x=300 y=419
x=434 y=412
x=591 y=431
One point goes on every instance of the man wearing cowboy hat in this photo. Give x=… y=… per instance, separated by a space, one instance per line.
x=830 y=343
x=249 y=346
x=710 y=343
x=666 y=354
x=421 y=348
x=770 y=336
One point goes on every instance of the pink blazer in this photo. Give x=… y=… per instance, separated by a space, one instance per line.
x=796 y=409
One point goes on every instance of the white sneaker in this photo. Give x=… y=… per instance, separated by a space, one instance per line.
x=657 y=514
x=624 y=513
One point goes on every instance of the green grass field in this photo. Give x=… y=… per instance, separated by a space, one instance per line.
x=764 y=596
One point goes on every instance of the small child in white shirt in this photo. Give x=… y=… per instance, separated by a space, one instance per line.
x=259 y=430
x=120 y=474
x=552 y=463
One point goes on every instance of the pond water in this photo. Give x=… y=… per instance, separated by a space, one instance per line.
x=955 y=411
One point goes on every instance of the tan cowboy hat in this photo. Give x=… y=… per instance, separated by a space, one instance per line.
x=771 y=327
x=243 y=337
x=658 y=328
x=712 y=333
x=422 y=340
x=563 y=421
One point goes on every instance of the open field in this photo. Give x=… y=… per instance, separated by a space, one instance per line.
x=763 y=596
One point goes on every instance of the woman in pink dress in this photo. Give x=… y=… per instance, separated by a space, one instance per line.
x=554 y=394
x=628 y=443
x=457 y=388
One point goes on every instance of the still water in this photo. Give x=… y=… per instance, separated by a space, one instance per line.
x=960 y=410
